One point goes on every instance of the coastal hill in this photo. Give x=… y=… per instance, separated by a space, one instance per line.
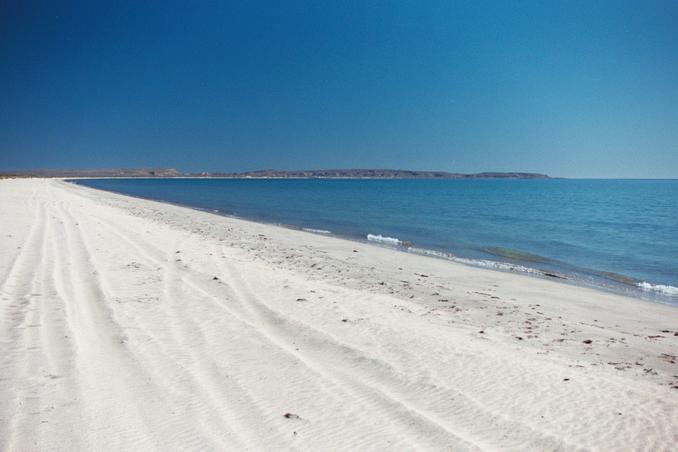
x=101 y=172
x=274 y=174
x=374 y=174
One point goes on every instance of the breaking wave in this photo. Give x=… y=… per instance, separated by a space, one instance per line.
x=382 y=239
x=661 y=288
x=316 y=231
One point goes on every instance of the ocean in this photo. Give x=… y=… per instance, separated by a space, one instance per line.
x=617 y=235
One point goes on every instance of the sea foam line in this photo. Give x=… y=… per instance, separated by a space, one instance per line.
x=484 y=263
x=506 y=266
x=498 y=265
x=427 y=252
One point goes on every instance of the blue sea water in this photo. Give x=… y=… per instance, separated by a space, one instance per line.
x=620 y=235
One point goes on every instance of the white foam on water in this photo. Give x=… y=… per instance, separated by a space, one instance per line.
x=498 y=265
x=426 y=252
x=382 y=239
x=661 y=288
x=316 y=231
x=484 y=263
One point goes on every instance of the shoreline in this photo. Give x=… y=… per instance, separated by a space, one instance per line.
x=579 y=277
x=138 y=324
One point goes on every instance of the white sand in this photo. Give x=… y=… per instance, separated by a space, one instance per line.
x=115 y=336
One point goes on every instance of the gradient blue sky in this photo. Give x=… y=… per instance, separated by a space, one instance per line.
x=574 y=89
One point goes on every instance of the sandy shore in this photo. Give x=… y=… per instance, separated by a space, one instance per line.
x=133 y=325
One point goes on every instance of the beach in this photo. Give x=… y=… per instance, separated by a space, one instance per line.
x=137 y=325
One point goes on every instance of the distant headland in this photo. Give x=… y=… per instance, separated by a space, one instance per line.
x=272 y=174
x=375 y=174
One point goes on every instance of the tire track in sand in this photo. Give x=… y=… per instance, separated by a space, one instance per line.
x=465 y=417
x=19 y=314
x=361 y=396
x=219 y=435
x=242 y=414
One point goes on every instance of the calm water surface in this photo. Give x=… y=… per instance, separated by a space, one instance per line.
x=617 y=234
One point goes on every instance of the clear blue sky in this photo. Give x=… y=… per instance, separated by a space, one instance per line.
x=575 y=89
